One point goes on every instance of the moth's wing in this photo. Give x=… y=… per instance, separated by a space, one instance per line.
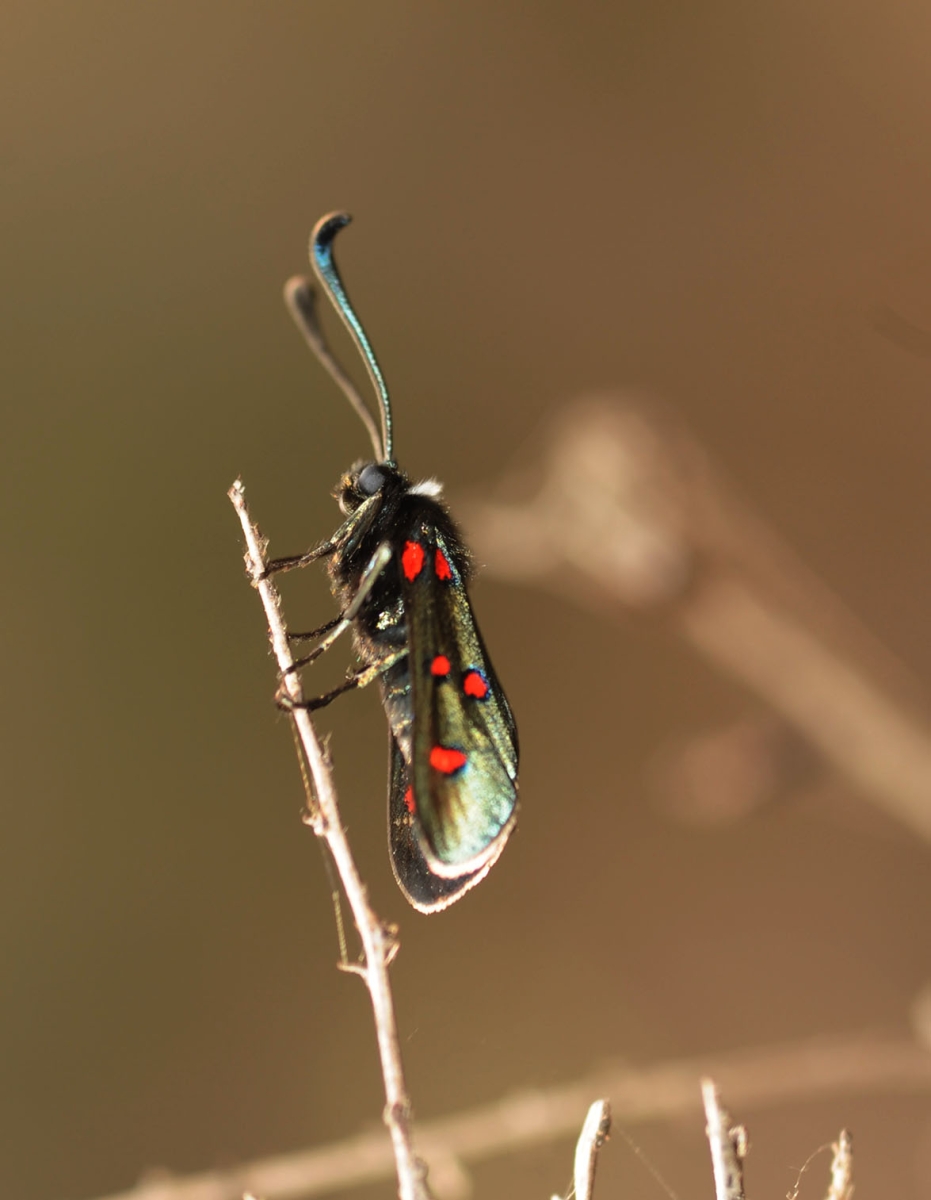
x=426 y=891
x=464 y=746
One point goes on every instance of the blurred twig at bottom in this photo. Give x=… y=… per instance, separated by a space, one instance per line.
x=750 y=1078
x=627 y=510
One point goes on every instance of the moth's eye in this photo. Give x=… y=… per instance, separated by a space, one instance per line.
x=370 y=480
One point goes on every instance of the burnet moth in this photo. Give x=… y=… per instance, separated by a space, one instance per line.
x=399 y=572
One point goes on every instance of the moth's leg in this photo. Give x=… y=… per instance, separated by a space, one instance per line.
x=313 y=633
x=277 y=566
x=355 y=524
x=376 y=565
x=361 y=678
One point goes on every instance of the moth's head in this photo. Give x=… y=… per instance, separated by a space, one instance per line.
x=361 y=482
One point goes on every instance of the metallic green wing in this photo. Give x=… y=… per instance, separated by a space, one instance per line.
x=424 y=889
x=464 y=752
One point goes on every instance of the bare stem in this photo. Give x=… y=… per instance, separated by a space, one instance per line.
x=841 y=1186
x=378 y=941
x=593 y=1136
x=728 y=1146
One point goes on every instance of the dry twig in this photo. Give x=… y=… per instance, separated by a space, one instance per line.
x=841 y=1186
x=594 y=1134
x=728 y=1146
x=378 y=941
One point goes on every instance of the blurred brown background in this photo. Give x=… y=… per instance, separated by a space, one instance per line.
x=725 y=206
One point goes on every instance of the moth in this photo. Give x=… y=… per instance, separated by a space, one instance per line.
x=399 y=571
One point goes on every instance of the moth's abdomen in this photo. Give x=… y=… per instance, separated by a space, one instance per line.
x=399 y=708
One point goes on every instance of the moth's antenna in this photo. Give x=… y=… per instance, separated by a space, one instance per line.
x=302 y=304
x=324 y=265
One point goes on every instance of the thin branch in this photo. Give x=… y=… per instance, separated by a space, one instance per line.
x=841 y=1187
x=378 y=941
x=728 y=1145
x=755 y=1078
x=629 y=512
x=593 y=1136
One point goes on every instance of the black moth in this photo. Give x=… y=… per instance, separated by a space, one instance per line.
x=399 y=572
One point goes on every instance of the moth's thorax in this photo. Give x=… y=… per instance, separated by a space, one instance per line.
x=383 y=506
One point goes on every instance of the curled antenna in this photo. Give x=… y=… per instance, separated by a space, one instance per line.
x=302 y=304
x=324 y=265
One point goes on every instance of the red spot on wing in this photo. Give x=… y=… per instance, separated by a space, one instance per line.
x=441 y=564
x=409 y=800
x=412 y=560
x=440 y=666
x=475 y=684
x=446 y=760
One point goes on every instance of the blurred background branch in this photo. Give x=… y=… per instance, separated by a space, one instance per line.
x=622 y=508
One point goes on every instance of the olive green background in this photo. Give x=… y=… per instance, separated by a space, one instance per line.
x=711 y=203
